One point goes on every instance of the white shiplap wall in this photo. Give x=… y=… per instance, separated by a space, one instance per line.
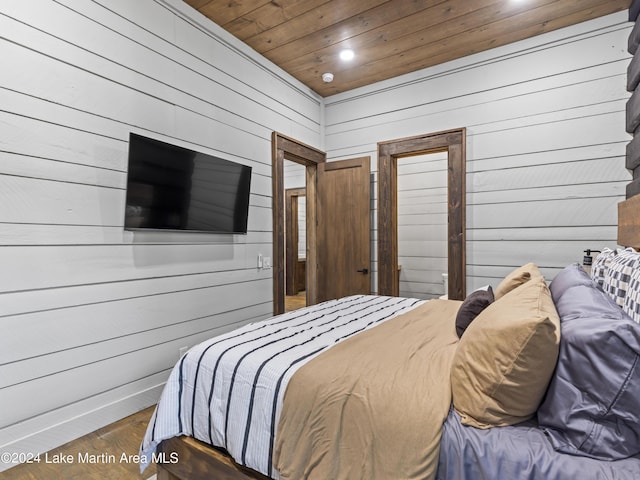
x=302 y=227
x=545 y=141
x=93 y=317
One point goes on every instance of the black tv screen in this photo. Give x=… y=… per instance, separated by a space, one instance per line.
x=174 y=188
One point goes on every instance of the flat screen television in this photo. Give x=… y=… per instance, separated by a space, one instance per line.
x=175 y=188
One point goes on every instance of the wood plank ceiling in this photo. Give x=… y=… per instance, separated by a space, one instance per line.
x=389 y=37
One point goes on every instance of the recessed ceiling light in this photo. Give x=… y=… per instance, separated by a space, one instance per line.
x=347 y=55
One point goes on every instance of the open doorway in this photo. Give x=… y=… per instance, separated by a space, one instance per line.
x=338 y=228
x=296 y=235
x=453 y=142
x=422 y=226
x=286 y=149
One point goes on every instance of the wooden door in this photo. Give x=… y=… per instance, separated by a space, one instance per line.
x=343 y=216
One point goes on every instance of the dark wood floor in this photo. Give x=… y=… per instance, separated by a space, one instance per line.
x=294 y=302
x=121 y=437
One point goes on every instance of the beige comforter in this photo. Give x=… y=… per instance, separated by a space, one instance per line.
x=372 y=407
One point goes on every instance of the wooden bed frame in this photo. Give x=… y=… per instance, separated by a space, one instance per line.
x=629 y=222
x=198 y=461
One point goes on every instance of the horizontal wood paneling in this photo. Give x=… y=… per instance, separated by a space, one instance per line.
x=546 y=141
x=39 y=334
x=72 y=420
x=156 y=349
x=180 y=64
x=94 y=316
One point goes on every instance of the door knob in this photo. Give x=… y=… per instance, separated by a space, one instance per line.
x=364 y=271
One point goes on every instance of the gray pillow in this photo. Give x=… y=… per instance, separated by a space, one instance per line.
x=592 y=405
x=568 y=277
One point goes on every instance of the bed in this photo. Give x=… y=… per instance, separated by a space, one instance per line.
x=528 y=379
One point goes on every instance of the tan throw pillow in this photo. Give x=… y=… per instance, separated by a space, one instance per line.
x=516 y=278
x=506 y=357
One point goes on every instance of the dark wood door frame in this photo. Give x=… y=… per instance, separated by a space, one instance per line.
x=285 y=148
x=454 y=143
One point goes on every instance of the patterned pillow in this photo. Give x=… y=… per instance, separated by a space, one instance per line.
x=618 y=274
x=631 y=304
x=600 y=265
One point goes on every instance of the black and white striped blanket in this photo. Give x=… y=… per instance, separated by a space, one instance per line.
x=228 y=390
